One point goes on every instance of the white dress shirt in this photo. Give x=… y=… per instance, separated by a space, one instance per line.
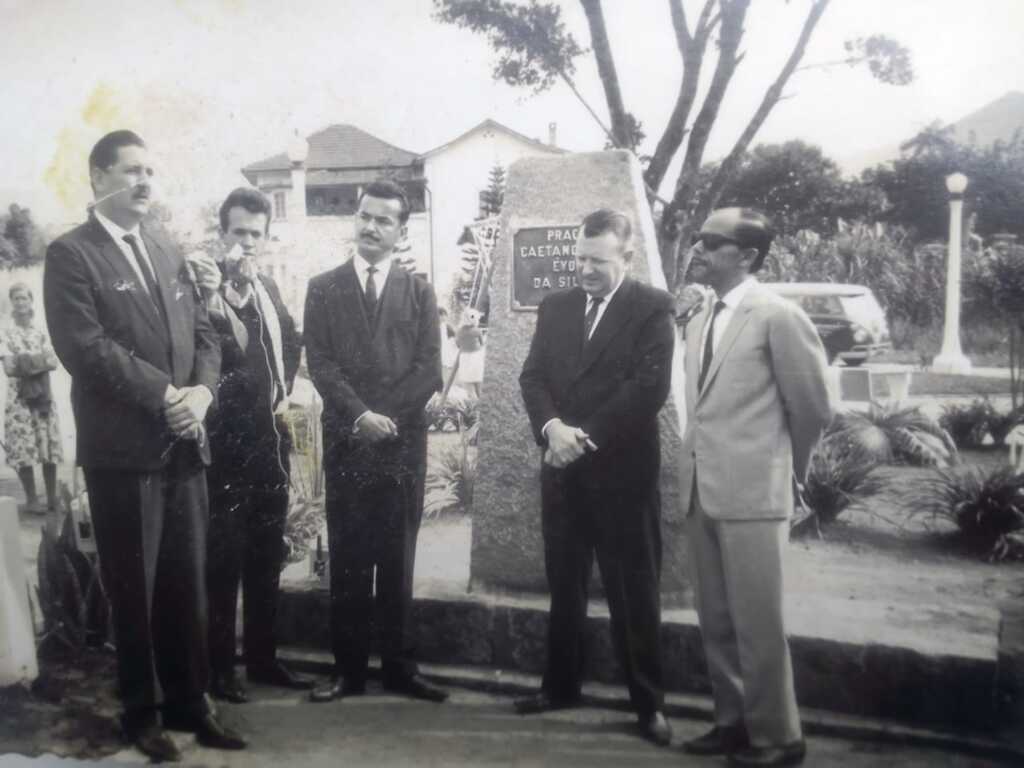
x=731 y=300
x=602 y=306
x=118 y=234
x=380 y=276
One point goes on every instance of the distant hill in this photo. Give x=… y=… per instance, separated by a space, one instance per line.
x=997 y=120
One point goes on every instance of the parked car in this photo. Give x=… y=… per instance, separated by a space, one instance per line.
x=849 y=319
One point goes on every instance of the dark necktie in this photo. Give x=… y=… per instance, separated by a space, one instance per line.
x=370 y=293
x=709 y=346
x=147 y=274
x=591 y=318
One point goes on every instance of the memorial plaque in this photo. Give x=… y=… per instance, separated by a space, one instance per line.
x=543 y=260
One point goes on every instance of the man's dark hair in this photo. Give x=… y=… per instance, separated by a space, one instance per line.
x=248 y=198
x=754 y=230
x=388 y=190
x=104 y=154
x=605 y=220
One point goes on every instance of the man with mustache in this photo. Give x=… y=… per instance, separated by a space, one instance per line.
x=249 y=439
x=756 y=403
x=144 y=363
x=597 y=374
x=373 y=346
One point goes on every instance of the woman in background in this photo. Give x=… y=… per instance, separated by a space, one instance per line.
x=470 y=341
x=31 y=430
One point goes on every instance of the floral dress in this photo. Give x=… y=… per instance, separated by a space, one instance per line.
x=30 y=437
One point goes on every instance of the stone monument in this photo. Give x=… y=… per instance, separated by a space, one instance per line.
x=545 y=201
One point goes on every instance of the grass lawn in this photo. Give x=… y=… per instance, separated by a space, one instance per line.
x=926 y=383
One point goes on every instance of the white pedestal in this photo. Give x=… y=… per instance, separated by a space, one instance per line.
x=951 y=363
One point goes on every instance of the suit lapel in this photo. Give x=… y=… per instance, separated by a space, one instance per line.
x=167 y=281
x=732 y=331
x=615 y=316
x=350 y=297
x=127 y=276
x=389 y=303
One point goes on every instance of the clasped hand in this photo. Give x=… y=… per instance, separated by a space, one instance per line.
x=375 y=427
x=185 y=409
x=565 y=444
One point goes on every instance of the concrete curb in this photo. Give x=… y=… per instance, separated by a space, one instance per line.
x=682 y=706
x=881 y=682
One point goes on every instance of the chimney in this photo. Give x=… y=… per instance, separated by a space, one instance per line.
x=553 y=134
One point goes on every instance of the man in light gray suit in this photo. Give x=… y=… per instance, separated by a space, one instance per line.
x=756 y=403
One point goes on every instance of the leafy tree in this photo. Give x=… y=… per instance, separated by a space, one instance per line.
x=534 y=49
x=25 y=243
x=493 y=197
x=916 y=190
x=995 y=287
x=799 y=188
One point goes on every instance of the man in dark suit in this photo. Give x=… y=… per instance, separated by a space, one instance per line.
x=373 y=348
x=597 y=374
x=248 y=479
x=144 y=361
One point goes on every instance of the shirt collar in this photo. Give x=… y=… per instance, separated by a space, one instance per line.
x=361 y=265
x=115 y=231
x=608 y=297
x=733 y=298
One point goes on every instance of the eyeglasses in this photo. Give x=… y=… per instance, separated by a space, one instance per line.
x=711 y=242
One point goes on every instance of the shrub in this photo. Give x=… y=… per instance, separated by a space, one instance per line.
x=73 y=603
x=840 y=471
x=967 y=424
x=890 y=434
x=452 y=476
x=986 y=507
x=1000 y=424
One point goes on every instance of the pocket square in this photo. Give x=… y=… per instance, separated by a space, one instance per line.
x=125 y=285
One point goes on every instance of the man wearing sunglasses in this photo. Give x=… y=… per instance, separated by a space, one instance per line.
x=756 y=403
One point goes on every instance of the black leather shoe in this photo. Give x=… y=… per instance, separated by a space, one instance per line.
x=543 y=702
x=786 y=754
x=655 y=728
x=228 y=688
x=211 y=732
x=416 y=687
x=152 y=741
x=278 y=674
x=337 y=688
x=720 y=740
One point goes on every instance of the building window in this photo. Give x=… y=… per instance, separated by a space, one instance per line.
x=280 y=211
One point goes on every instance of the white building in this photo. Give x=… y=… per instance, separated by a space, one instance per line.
x=312 y=229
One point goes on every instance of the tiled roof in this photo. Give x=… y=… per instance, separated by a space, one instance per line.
x=495 y=125
x=341 y=146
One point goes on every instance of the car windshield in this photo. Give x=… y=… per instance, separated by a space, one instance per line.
x=819 y=305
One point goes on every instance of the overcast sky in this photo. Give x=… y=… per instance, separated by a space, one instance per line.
x=215 y=85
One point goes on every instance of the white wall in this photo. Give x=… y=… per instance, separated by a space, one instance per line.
x=456 y=175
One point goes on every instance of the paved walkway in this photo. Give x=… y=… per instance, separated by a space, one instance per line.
x=479 y=730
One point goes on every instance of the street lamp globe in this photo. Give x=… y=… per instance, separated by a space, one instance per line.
x=956 y=183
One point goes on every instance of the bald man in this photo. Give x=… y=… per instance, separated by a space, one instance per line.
x=756 y=404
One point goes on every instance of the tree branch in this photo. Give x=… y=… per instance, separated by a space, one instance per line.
x=606 y=70
x=693 y=52
x=771 y=98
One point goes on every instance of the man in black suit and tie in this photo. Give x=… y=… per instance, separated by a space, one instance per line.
x=597 y=374
x=144 y=361
x=373 y=347
x=248 y=479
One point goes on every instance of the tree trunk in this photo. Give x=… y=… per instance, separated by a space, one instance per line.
x=675 y=222
x=606 y=70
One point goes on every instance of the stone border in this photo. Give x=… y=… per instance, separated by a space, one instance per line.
x=507 y=633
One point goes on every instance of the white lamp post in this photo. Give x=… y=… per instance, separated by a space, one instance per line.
x=951 y=359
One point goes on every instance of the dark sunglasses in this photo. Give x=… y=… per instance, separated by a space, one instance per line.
x=711 y=242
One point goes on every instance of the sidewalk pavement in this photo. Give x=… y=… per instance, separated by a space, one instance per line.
x=480 y=729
